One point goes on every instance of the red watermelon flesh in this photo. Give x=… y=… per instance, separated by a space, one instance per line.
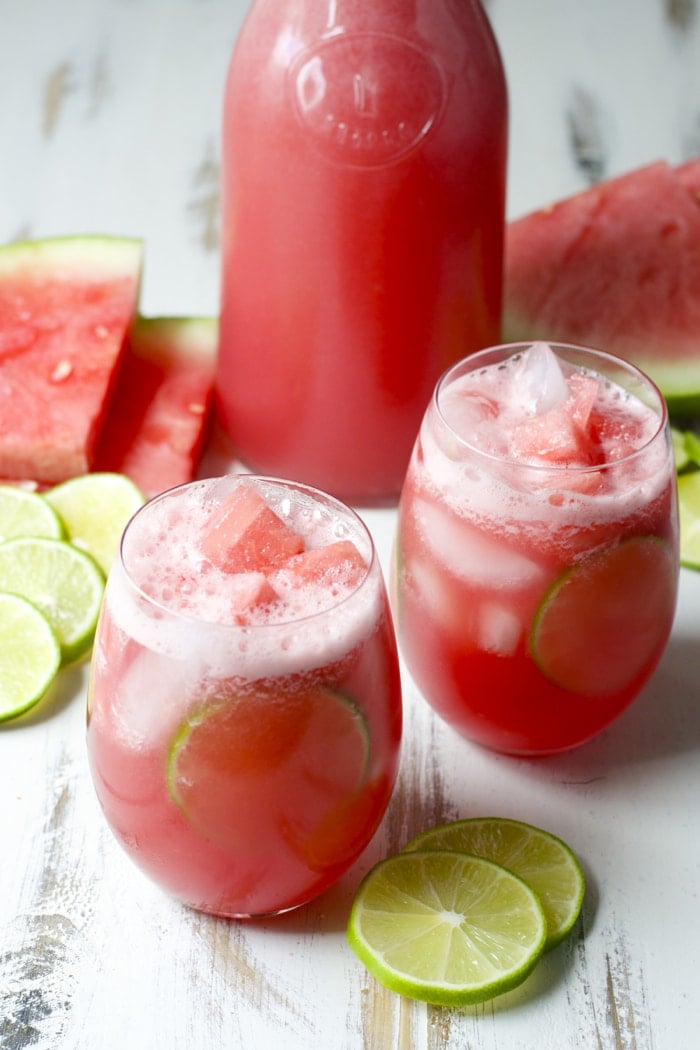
x=245 y=535
x=689 y=174
x=615 y=267
x=156 y=424
x=66 y=305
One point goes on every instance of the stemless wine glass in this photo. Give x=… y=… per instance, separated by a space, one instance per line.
x=244 y=711
x=537 y=547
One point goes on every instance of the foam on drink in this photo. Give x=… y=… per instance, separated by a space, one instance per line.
x=534 y=437
x=182 y=597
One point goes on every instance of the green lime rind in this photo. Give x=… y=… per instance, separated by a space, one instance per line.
x=30 y=656
x=95 y=509
x=62 y=581
x=604 y=617
x=691 y=442
x=25 y=513
x=544 y=861
x=681 y=457
x=689 y=516
x=445 y=927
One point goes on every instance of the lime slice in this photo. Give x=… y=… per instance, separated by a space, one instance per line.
x=30 y=655
x=446 y=927
x=95 y=508
x=691 y=443
x=542 y=860
x=264 y=755
x=603 y=619
x=24 y=513
x=689 y=514
x=62 y=581
x=680 y=452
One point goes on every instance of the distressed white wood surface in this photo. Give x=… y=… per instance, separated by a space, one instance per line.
x=109 y=121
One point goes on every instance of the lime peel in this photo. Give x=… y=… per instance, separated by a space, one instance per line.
x=62 y=581
x=446 y=927
x=541 y=859
x=30 y=655
x=95 y=509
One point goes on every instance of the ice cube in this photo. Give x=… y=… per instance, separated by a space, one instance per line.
x=539 y=383
x=499 y=629
x=471 y=554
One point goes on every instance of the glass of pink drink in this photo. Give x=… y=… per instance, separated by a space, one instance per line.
x=244 y=704
x=537 y=548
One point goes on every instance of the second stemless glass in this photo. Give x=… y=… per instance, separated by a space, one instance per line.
x=534 y=597
x=243 y=762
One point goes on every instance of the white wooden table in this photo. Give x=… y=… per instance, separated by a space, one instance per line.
x=109 y=122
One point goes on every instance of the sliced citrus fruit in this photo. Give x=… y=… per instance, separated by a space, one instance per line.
x=267 y=756
x=691 y=442
x=446 y=927
x=30 y=655
x=62 y=581
x=689 y=514
x=545 y=862
x=24 y=513
x=603 y=619
x=681 y=457
x=95 y=508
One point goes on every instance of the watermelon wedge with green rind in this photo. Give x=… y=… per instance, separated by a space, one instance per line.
x=157 y=420
x=66 y=304
x=616 y=267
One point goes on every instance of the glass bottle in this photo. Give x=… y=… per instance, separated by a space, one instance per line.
x=363 y=197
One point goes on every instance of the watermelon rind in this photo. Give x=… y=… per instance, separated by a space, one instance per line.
x=77 y=252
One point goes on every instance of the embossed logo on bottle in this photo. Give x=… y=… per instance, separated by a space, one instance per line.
x=367 y=99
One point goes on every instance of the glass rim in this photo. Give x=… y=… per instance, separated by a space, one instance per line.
x=315 y=494
x=508 y=350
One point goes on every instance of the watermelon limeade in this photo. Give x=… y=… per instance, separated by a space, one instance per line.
x=244 y=713
x=363 y=189
x=537 y=548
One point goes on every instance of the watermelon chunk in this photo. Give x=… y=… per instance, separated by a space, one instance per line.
x=616 y=267
x=337 y=563
x=66 y=304
x=158 y=416
x=245 y=535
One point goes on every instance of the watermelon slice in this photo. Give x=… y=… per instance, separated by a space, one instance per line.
x=616 y=267
x=66 y=304
x=157 y=420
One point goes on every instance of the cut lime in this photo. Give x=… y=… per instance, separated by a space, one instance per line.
x=24 y=513
x=95 y=508
x=689 y=513
x=604 y=618
x=691 y=443
x=267 y=756
x=30 y=655
x=446 y=927
x=546 y=864
x=681 y=457
x=62 y=581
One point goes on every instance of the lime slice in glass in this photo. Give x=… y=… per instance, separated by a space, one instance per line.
x=24 y=513
x=62 y=581
x=30 y=655
x=264 y=756
x=446 y=927
x=602 y=620
x=689 y=514
x=542 y=860
x=95 y=508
